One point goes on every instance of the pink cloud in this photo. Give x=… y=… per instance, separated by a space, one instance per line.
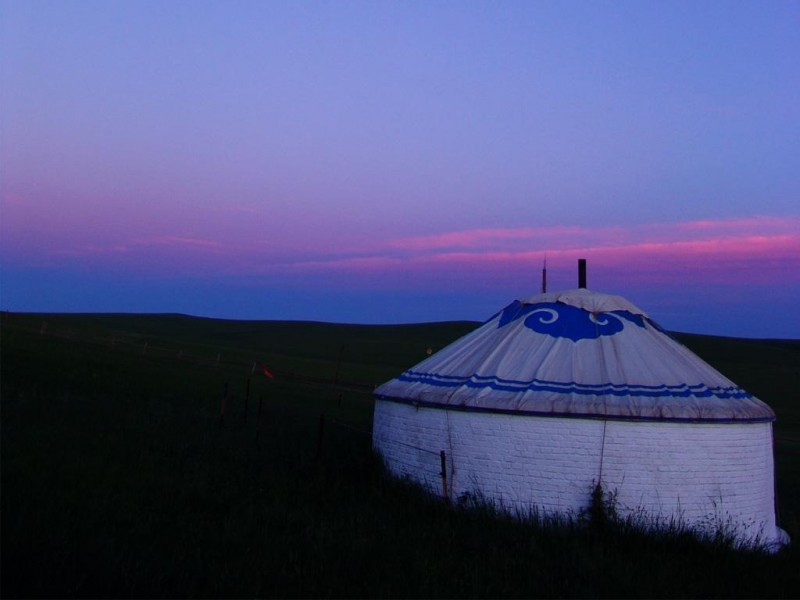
x=743 y=225
x=9 y=199
x=482 y=237
x=758 y=249
x=172 y=240
x=561 y=237
x=726 y=250
x=166 y=243
x=244 y=210
x=86 y=251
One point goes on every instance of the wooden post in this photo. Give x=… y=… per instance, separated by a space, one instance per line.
x=222 y=406
x=216 y=365
x=144 y=350
x=258 y=417
x=443 y=459
x=320 y=435
x=247 y=398
x=338 y=365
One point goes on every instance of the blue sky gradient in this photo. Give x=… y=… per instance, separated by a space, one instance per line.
x=401 y=161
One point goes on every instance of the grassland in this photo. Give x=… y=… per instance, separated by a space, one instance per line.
x=120 y=479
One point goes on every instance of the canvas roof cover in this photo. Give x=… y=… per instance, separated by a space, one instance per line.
x=575 y=353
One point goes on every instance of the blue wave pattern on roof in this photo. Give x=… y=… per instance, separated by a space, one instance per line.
x=562 y=320
x=586 y=389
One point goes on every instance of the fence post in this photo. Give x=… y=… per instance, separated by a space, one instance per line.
x=443 y=459
x=247 y=398
x=338 y=365
x=144 y=350
x=320 y=435
x=258 y=418
x=222 y=406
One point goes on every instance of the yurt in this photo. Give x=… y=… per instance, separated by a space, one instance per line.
x=562 y=391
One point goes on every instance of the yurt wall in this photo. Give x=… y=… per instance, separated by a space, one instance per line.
x=703 y=475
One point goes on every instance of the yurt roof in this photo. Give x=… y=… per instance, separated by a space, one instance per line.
x=575 y=353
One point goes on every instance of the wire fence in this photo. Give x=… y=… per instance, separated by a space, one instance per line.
x=168 y=349
x=161 y=348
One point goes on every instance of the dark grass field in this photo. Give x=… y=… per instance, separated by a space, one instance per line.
x=119 y=478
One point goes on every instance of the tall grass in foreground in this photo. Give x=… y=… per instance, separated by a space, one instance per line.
x=117 y=480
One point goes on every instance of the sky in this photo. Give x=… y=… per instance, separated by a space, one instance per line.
x=396 y=162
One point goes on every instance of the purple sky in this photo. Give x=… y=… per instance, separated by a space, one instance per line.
x=386 y=162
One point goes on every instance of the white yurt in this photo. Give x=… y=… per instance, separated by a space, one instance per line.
x=565 y=390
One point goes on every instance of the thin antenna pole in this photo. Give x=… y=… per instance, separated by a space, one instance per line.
x=544 y=275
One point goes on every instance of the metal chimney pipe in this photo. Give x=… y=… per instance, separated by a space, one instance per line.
x=582 y=273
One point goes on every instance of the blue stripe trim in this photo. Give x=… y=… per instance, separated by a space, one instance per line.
x=585 y=389
x=571 y=415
